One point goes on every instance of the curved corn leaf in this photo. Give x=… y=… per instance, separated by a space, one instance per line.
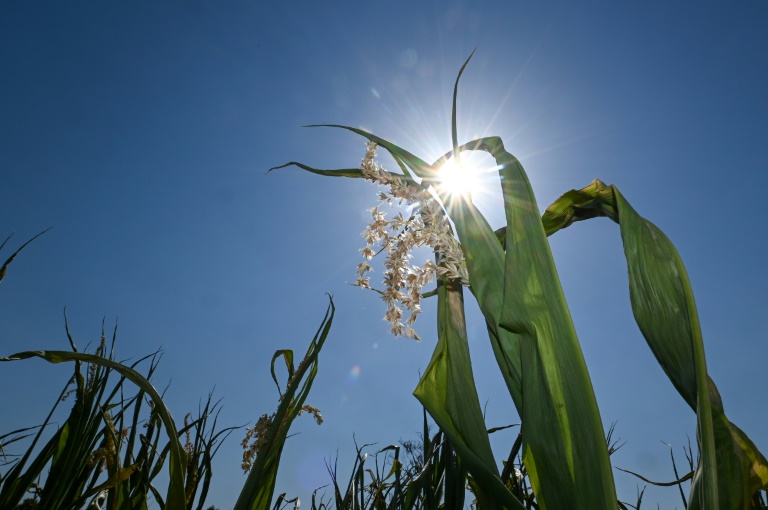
x=537 y=349
x=176 y=499
x=447 y=391
x=561 y=426
x=731 y=468
x=260 y=485
x=663 y=305
x=484 y=257
x=287 y=355
x=406 y=161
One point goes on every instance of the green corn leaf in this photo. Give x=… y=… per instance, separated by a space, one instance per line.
x=4 y=267
x=407 y=161
x=344 y=172
x=447 y=391
x=454 y=130
x=731 y=468
x=175 y=497
x=484 y=257
x=260 y=485
x=562 y=431
x=397 y=153
x=658 y=285
x=287 y=356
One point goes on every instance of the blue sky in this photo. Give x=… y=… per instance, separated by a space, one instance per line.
x=142 y=132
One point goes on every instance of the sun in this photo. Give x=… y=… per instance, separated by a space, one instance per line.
x=459 y=180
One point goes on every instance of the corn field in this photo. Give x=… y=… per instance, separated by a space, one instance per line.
x=119 y=438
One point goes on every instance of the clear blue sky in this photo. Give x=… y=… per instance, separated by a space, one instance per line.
x=141 y=133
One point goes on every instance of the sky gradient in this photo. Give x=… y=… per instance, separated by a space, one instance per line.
x=142 y=132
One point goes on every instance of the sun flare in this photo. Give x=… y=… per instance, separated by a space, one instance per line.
x=459 y=180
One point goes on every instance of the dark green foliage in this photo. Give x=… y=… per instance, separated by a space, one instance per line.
x=109 y=447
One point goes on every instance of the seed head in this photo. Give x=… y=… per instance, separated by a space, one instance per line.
x=427 y=226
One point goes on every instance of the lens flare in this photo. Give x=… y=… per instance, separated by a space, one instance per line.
x=353 y=376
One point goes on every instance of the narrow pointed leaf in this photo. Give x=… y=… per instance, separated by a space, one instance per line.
x=4 y=267
x=344 y=172
x=413 y=163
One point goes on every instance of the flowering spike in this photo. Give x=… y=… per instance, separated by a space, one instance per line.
x=428 y=225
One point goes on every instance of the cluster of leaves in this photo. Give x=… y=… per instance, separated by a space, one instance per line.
x=109 y=450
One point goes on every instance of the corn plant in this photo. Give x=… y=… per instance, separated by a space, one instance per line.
x=270 y=433
x=109 y=452
x=512 y=275
x=102 y=434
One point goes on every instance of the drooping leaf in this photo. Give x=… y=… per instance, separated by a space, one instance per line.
x=731 y=468
x=405 y=160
